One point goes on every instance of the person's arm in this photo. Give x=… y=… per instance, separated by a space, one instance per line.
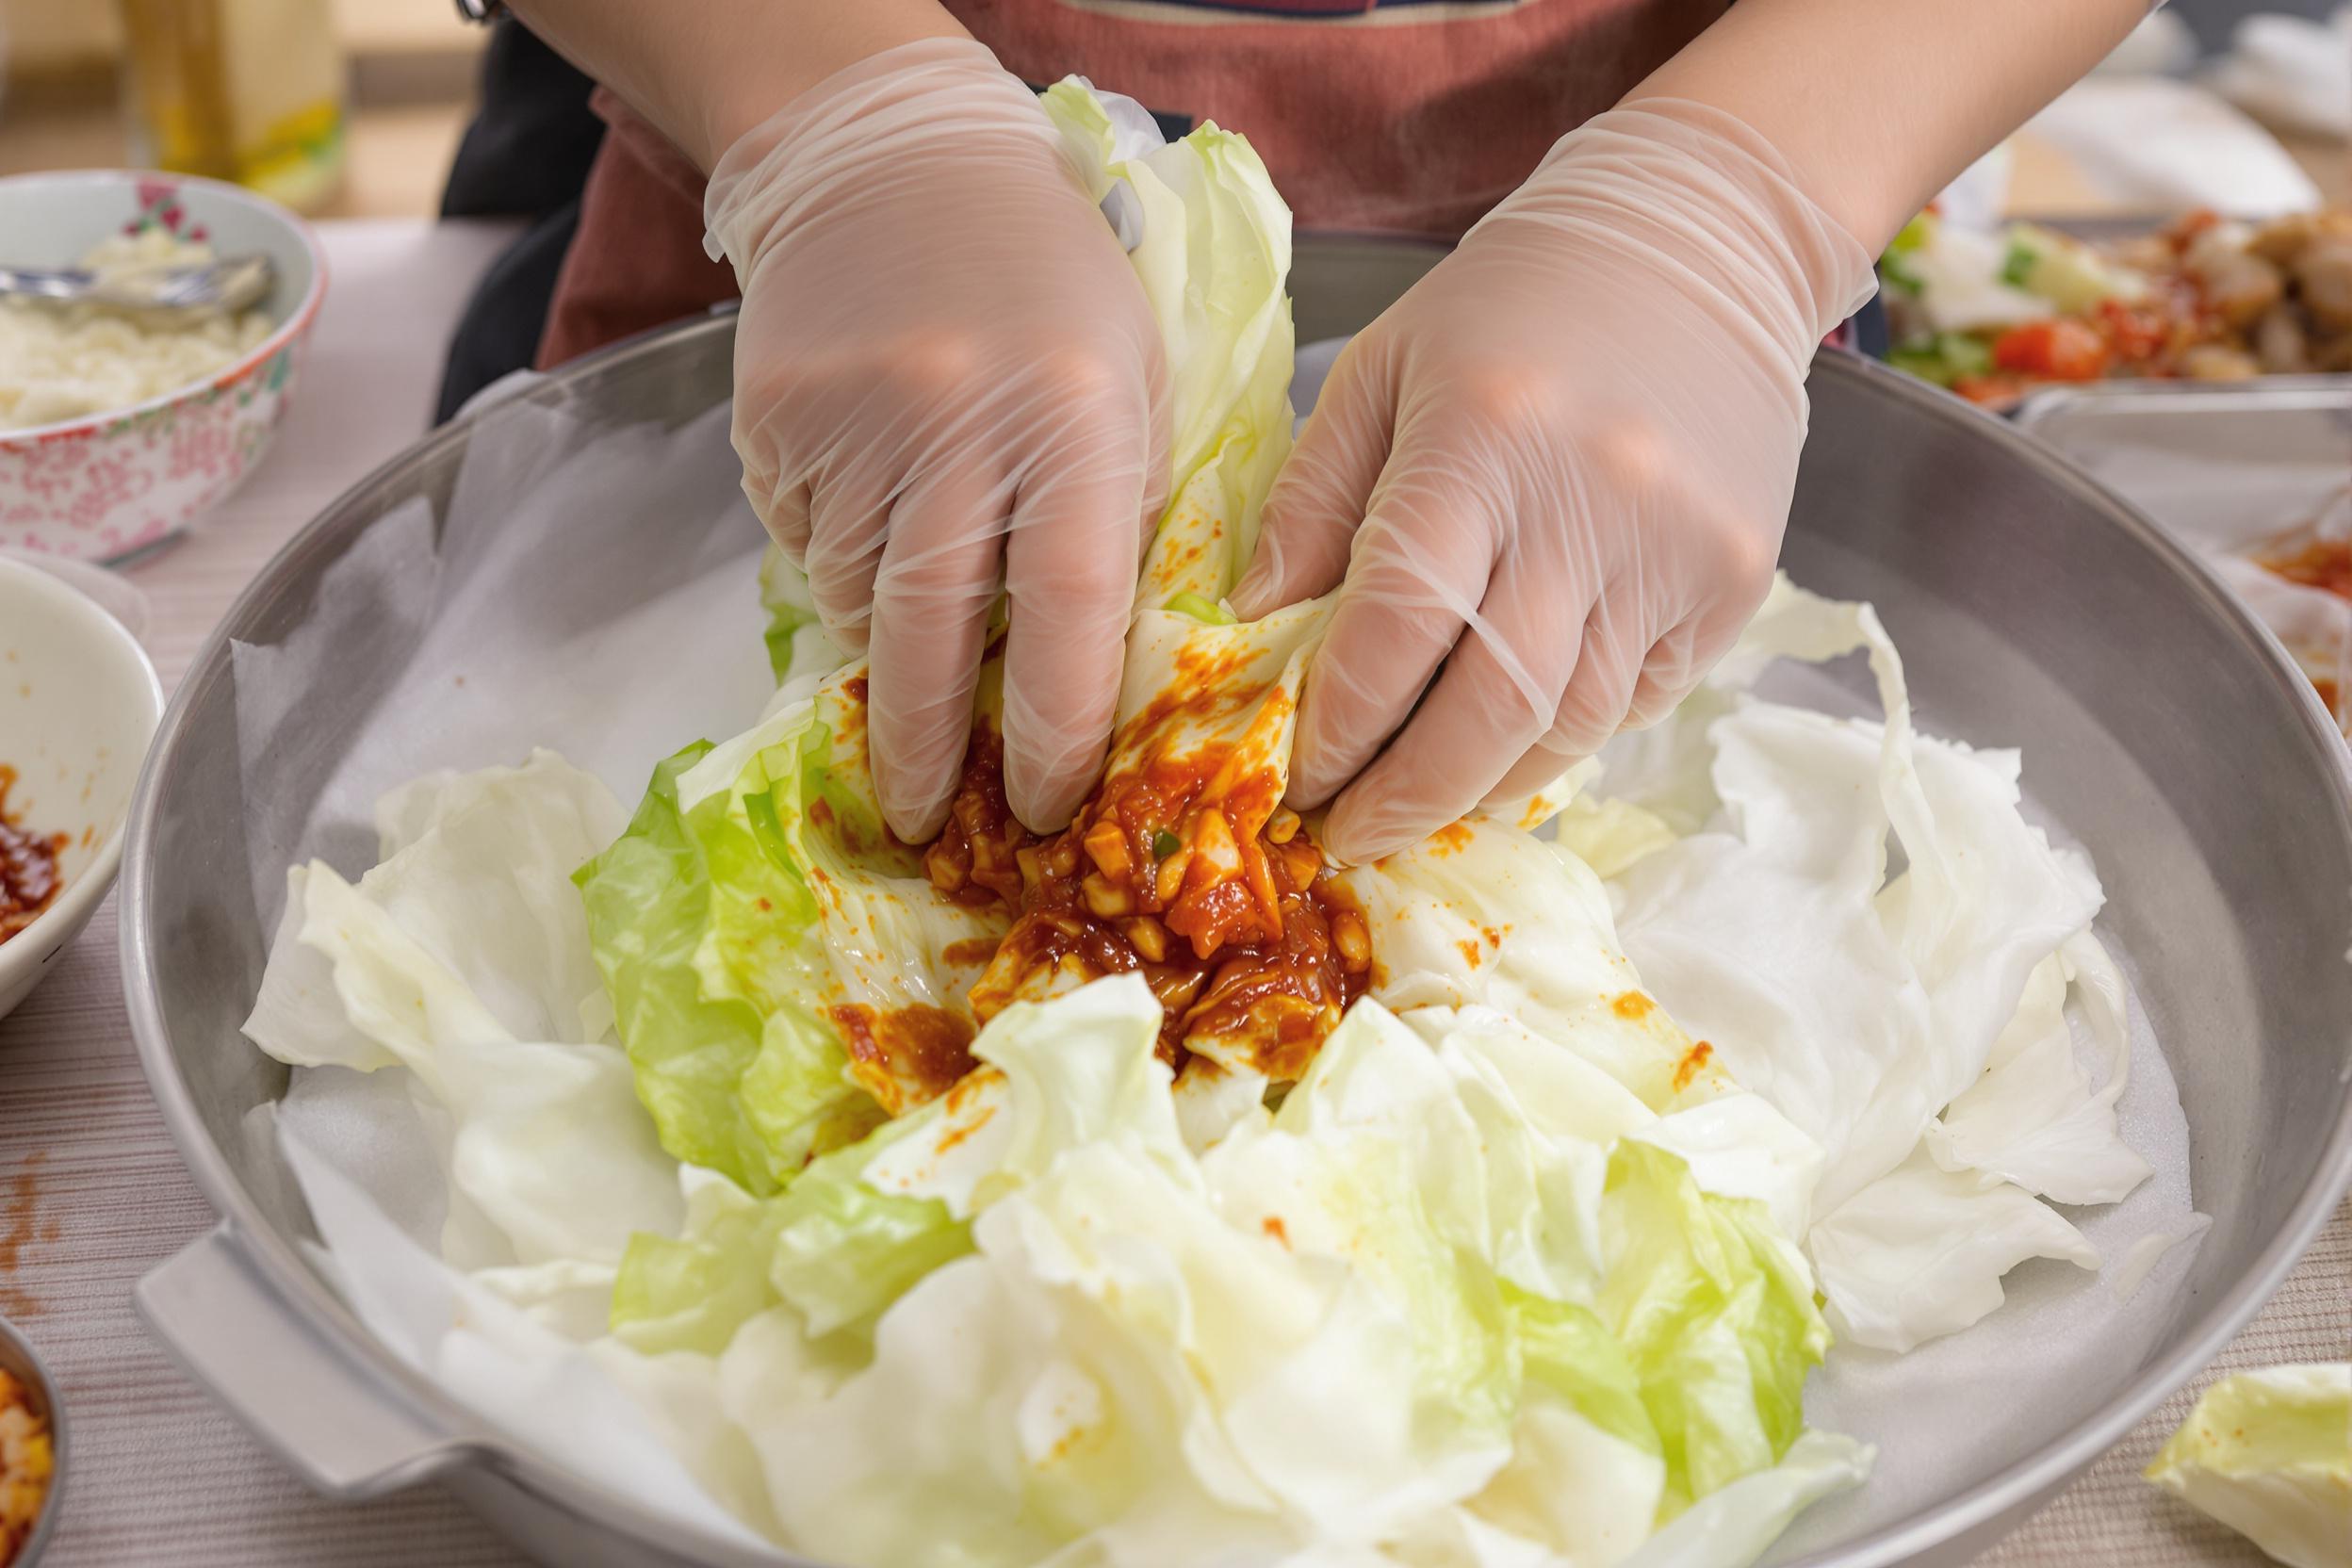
x=1877 y=105
x=1550 y=483
x=948 y=383
x=706 y=71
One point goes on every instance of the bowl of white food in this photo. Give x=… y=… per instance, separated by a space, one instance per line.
x=115 y=434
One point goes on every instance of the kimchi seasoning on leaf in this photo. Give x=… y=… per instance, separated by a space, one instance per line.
x=29 y=873
x=972 y=862
x=927 y=1050
x=1632 y=1006
x=1250 y=951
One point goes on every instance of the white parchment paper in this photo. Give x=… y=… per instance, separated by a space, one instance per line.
x=586 y=588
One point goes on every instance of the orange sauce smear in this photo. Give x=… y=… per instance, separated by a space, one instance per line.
x=30 y=874
x=925 y=1049
x=2327 y=566
x=2324 y=563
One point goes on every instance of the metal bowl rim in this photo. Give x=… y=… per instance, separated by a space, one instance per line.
x=307 y=1294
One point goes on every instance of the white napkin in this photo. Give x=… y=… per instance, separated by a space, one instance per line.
x=2292 y=72
x=2153 y=144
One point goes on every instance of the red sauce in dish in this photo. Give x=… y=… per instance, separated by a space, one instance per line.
x=29 y=878
x=2324 y=563
x=2327 y=566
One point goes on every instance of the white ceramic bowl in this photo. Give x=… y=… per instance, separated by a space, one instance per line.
x=78 y=704
x=105 y=486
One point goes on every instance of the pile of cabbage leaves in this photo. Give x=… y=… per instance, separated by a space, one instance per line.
x=1664 y=1080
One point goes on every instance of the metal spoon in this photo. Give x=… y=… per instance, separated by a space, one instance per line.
x=230 y=284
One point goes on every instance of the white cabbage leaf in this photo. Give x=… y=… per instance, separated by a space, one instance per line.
x=1333 y=1330
x=1920 y=1251
x=2270 y=1454
x=2033 y=1119
x=461 y=958
x=1870 y=935
x=1484 y=913
x=1213 y=259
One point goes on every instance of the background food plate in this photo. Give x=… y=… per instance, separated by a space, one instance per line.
x=2112 y=241
x=2245 y=474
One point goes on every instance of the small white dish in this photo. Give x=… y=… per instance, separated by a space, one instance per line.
x=78 y=705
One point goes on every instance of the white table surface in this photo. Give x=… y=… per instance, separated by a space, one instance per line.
x=92 y=1195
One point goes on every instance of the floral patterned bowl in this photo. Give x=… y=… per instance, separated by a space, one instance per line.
x=112 y=484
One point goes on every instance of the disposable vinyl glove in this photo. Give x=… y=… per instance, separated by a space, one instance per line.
x=1554 y=474
x=947 y=381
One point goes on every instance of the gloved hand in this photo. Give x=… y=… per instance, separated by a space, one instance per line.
x=1555 y=473
x=947 y=381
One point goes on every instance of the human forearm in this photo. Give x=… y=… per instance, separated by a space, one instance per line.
x=1878 y=104
x=705 y=72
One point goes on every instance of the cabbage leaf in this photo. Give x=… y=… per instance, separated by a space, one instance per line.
x=1308 y=1334
x=1864 y=927
x=459 y=960
x=754 y=912
x=2270 y=1454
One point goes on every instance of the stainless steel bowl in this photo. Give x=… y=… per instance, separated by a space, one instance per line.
x=2158 y=723
x=19 y=1359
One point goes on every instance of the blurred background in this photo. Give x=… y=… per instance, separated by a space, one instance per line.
x=352 y=108
x=337 y=107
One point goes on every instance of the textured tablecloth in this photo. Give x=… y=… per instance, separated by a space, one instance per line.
x=91 y=1194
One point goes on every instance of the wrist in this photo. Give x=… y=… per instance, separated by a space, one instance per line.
x=759 y=73
x=1700 y=197
x=705 y=72
x=898 y=110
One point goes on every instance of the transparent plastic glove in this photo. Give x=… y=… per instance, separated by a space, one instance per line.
x=947 y=382
x=1554 y=474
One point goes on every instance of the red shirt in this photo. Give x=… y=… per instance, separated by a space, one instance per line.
x=1386 y=116
x=1383 y=116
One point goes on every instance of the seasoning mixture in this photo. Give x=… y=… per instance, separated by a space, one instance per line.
x=25 y=1464
x=29 y=878
x=1251 y=952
